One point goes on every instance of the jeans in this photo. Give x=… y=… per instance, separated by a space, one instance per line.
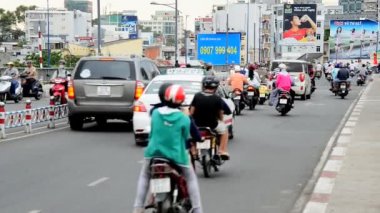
x=192 y=186
x=14 y=85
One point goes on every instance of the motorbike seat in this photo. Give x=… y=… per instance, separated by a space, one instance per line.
x=156 y=161
x=208 y=130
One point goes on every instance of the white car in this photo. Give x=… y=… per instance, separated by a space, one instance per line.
x=192 y=84
x=298 y=69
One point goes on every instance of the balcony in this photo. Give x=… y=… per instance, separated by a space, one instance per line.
x=266 y=31
x=267 y=45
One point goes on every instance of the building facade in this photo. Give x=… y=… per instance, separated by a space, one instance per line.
x=242 y=17
x=82 y=5
x=203 y=25
x=163 y=23
x=65 y=26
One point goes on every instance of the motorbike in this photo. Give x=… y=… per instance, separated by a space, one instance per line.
x=31 y=87
x=264 y=94
x=58 y=90
x=329 y=77
x=239 y=103
x=352 y=73
x=318 y=74
x=361 y=80
x=284 y=103
x=251 y=96
x=208 y=151
x=5 y=88
x=342 y=89
x=168 y=188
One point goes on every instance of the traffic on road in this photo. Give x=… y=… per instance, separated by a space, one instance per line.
x=205 y=137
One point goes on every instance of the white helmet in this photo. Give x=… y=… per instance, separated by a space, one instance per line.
x=237 y=68
x=282 y=66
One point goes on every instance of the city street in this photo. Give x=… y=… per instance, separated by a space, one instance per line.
x=96 y=170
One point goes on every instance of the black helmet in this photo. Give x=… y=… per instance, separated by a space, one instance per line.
x=210 y=82
x=161 y=92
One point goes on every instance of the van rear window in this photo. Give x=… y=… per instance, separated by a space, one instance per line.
x=108 y=70
x=291 y=66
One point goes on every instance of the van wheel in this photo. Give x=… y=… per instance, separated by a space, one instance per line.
x=308 y=96
x=76 y=122
x=303 y=97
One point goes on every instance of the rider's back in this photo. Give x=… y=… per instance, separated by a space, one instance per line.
x=170 y=128
x=284 y=81
x=237 y=81
x=207 y=109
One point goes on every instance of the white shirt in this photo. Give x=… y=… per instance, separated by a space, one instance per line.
x=319 y=67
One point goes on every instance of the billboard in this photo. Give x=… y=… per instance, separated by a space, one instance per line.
x=352 y=39
x=299 y=24
x=129 y=23
x=212 y=48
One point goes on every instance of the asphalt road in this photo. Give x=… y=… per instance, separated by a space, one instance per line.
x=96 y=170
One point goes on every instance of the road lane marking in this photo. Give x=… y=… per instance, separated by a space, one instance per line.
x=35 y=211
x=99 y=181
x=34 y=134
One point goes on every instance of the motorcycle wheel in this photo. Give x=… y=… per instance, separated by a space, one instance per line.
x=3 y=98
x=237 y=109
x=206 y=165
x=251 y=105
x=230 y=132
x=342 y=96
x=262 y=101
x=38 y=96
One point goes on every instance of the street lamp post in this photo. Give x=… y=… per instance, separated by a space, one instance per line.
x=226 y=52
x=260 y=23
x=176 y=27
x=247 y=34
x=99 y=36
x=48 y=31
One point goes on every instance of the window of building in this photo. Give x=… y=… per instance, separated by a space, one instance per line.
x=318 y=24
x=318 y=36
x=279 y=12
x=280 y=25
x=358 y=6
x=319 y=12
x=289 y=48
x=318 y=49
x=351 y=7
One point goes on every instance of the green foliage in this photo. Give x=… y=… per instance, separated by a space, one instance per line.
x=327 y=34
x=71 y=60
x=55 y=57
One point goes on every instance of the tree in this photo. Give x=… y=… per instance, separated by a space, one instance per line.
x=7 y=20
x=20 y=12
x=55 y=57
x=71 y=60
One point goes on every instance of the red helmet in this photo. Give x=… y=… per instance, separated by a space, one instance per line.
x=175 y=95
x=251 y=67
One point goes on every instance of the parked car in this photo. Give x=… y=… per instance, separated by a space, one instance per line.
x=298 y=69
x=105 y=88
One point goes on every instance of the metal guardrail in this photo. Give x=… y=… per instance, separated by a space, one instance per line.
x=26 y=118
x=44 y=74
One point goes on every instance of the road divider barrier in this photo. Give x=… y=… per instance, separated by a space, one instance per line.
x=26 y=118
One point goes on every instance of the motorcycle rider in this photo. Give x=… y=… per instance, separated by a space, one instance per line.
x=343 y=74
x=363 y=72
x=31 y=76
x=170 y=128
x=237 y=80
x=318 y=68
x=12 y=72
x=284 y=82
x=207 y=111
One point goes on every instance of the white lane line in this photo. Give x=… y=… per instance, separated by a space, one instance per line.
x=33 y=134
x=38 y=128
x=35 y=211
x=99 y=181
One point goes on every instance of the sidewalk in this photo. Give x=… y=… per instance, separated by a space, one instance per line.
x=350 y=180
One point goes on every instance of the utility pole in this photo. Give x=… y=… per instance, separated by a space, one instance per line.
x=99 y=36
x=260 y=23
x=226 y=52
x=247 y=34
x=48 y=31
x=176 y=33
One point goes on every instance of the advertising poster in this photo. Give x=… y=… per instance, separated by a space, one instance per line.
x=129 y=23
x=352 y=39
x=217 y=50
x=299 y=24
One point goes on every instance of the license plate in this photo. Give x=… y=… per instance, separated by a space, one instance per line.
x=343 y=86
x=237 y=97
x=104 y=91
x=283 y=101
x=204 y=145
x=161 y=185
x=262 y=95
x=251 y=93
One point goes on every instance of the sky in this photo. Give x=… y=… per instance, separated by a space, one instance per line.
x=193 y=8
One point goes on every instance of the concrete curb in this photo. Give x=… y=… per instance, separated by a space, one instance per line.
x=308 y=192
x=324 y=186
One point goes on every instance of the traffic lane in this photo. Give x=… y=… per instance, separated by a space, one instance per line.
x=273 y=156
x=12 y=106
x=42 y=172
x=265 y=174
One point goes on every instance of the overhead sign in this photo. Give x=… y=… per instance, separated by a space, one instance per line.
x=299 y=24
x=352 y=39
x=129 y=24
x=216 y=49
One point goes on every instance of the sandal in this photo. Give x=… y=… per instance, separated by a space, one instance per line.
x=224 y=156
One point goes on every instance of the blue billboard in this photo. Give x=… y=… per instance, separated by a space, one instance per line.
x=217 y=50
x=129 y=23
x=352 y=39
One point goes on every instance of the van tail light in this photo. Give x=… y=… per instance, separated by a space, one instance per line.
x=139 y=107
x=302 y=77
x=139 y=89
x=70 y=90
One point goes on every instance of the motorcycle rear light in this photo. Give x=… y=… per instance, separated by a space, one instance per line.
x=139 y=107
x=250 y=89
x=139 y=89
x=302 y=77
x=71 y=91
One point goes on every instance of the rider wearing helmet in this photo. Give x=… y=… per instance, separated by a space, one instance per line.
x=237 y=80
x=12 y=72
x=283 y=82
x=207 y=110
x=170 y=128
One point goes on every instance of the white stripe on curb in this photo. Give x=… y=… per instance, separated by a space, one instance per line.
x=339 y=151
x=333 y=166
x=324 y=186
x=313 y=207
